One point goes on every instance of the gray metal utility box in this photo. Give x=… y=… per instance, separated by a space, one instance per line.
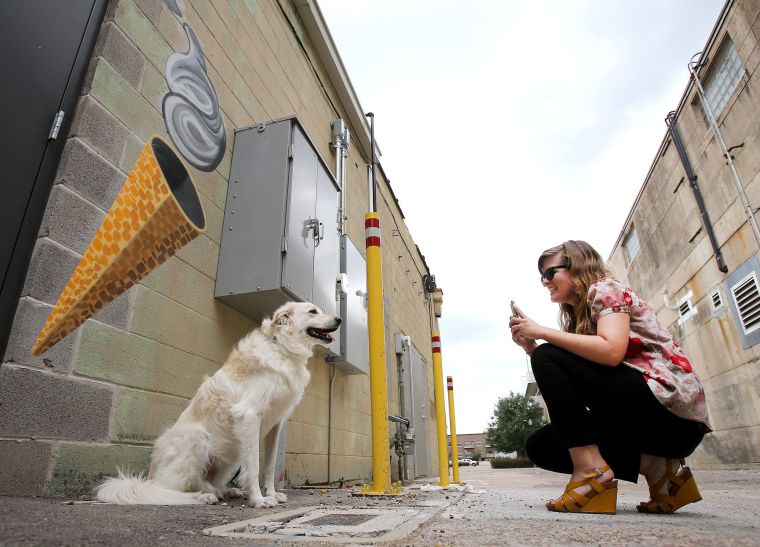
x=354 y=337
x=280 y=240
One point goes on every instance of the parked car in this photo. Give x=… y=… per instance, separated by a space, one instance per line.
x=475 y=462
x=465 y=461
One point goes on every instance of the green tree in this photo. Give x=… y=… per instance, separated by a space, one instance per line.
x=514 y=419
x=475 y=455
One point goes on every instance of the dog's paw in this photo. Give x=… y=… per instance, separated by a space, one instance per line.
x=279 y=496
x=232 y=493
x=208 y=499
x=263 y=501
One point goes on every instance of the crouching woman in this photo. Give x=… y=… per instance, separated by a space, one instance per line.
x=622 y=397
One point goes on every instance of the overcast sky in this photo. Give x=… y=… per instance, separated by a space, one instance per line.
x=506 y=128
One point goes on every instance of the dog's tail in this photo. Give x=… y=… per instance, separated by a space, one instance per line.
x=129 y=489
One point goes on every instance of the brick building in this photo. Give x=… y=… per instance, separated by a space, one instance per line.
x=470 y=443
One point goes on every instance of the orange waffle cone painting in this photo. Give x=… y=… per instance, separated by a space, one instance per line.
x=155 y=214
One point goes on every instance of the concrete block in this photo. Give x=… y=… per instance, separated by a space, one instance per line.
x=314 y=439
x=141 y=416
x=121 y=53
x=25 y=467
x=49 y=270
x=294 y=442
x=150 y=8
x=120 y=98
x=154 y=87
x=132 y=148
x=50 y=406
x=119 y=312
x=182 y=283
x=79 y=468
x=70 y=220
x=120 y=357
x=30 y=317
x=89 y=174
x=142 y=33
x=100 y=130
x=163 y=320
x=213 y=186
x=203 y=253
x=302 y=467
x=171 y=29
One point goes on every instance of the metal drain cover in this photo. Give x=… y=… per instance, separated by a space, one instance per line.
x=350 y=525
x=339 y=519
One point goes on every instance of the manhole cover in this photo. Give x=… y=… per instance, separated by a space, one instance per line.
x=338 y=519
x=329 y=525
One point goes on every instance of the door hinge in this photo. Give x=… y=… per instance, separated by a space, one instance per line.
x=57 y=121
x=284 y=245
x=290 y=151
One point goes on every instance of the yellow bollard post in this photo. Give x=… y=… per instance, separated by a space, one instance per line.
x=381 y=469
x=440 y=413
x=453 y=426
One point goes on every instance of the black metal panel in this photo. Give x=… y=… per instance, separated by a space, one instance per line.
x=45 y=48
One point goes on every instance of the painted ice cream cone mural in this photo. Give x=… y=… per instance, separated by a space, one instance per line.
x=158 y=210
x=155 y=214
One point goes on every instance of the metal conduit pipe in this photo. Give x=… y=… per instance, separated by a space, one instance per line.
x=694 y=66
x=670 y=121
x=340 y=142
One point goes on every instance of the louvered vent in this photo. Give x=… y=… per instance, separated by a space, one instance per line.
x=684 y=309
x=717 y=301
x=747 y=298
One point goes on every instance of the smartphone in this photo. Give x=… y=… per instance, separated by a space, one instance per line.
x=512 y=306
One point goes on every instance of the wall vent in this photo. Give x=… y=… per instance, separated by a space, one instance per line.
x=717 y=300
x=685 y=308
x=747 y=299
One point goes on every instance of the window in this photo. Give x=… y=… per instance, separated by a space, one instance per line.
x=631 y=244
x=747 y=299
x=723 y=78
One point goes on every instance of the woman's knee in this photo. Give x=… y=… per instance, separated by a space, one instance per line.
x=543 y=356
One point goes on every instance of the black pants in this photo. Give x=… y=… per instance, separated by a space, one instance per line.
x=611 y=407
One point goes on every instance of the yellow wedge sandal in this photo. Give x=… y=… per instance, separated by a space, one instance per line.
x=601 y=499
x=682 y=491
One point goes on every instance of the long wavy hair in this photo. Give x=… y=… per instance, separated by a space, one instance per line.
x=586 y=267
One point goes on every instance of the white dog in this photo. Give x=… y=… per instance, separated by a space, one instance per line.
x=246 y=400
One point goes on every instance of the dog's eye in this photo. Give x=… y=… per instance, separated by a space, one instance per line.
x=312 y=311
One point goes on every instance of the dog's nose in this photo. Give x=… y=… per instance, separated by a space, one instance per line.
x=338 y=320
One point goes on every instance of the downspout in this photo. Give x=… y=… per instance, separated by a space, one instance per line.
x=670 y=121
x=341 y=140
x=694 y=66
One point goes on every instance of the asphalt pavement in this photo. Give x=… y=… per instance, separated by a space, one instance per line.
x=496 y=507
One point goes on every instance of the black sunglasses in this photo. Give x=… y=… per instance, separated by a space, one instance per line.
x=551 y=271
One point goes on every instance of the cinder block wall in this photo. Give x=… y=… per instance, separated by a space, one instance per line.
x=100 y=397
x=676 y=254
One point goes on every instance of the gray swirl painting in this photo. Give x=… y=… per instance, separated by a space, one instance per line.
x=191 y=108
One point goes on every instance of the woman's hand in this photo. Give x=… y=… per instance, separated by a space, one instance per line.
x=520 y=336
x=525 y=327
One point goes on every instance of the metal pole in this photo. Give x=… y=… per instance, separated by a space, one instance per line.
x=373 y=204
x=453 y=425
x=440 y=413
x=381 y=470
x=693 y=66
x=670 y=121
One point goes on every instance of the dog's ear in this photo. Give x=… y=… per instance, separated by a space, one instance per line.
x=283 y=318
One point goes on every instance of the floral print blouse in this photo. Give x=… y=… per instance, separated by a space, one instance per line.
x=651 y=350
